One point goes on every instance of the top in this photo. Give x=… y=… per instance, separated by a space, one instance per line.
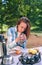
x=12 y=34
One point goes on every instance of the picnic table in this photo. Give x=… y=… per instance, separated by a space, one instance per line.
x=16 y=60
x=16 y=57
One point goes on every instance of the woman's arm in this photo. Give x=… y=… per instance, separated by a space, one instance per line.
x=23 y=41
x=12 y=43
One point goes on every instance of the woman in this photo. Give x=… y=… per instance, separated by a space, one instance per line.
x=18 y=35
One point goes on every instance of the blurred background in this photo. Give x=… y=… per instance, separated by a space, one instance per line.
x=12 y=10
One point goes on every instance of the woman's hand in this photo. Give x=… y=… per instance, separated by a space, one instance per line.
x=22 y=37
x=17 y=39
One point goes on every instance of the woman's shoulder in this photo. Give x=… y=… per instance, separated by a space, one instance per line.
x=13 y=28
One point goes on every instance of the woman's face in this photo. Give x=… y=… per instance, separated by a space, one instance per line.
x=21 y=27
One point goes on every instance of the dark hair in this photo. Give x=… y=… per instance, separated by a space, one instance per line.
x=27 y=21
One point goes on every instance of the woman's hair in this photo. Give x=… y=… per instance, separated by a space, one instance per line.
x=27 y=21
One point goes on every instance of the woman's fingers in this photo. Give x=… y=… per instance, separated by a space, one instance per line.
x=23 y=37
x=17 y=39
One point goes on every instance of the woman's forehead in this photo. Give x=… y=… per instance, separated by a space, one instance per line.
x=22 y=24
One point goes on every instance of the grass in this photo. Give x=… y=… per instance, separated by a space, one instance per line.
x=36 y=33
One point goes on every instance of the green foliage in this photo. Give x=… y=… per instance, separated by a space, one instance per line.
x=12 y=10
